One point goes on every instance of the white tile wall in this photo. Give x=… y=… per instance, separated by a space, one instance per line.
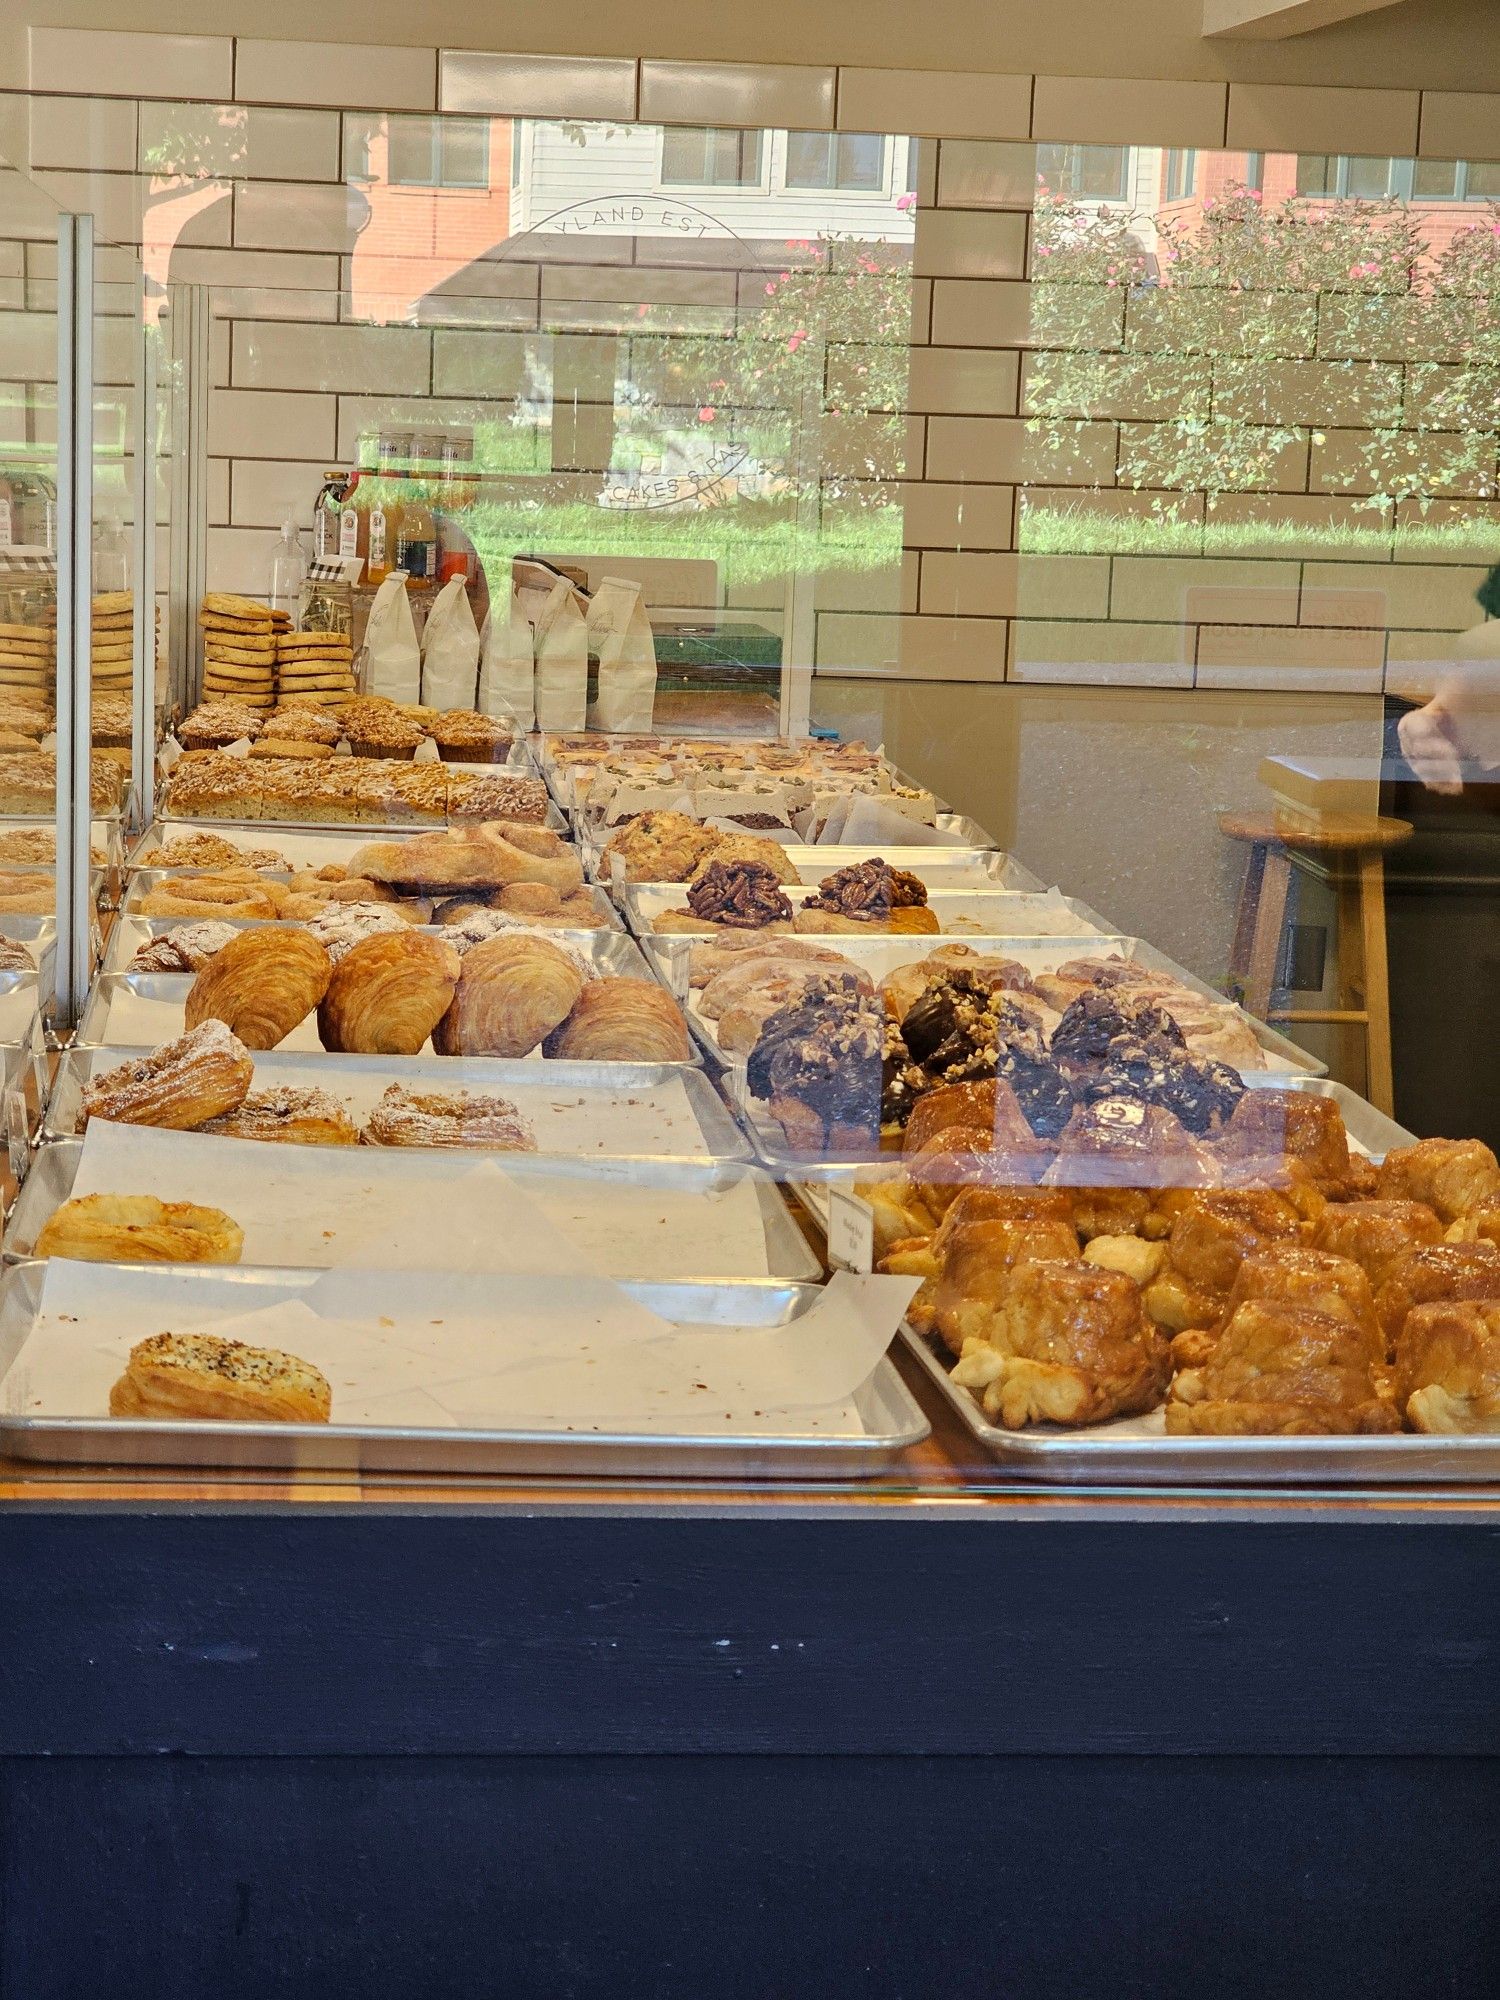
x=243 y=141
x=335 y=74
x=342 y=358
x=110 y=64
x=262 y=423
x=536 y=86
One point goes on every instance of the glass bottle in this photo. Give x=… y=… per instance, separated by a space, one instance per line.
x=386 y=513
x=111 y=555
x=326 y=515
x=287 y=573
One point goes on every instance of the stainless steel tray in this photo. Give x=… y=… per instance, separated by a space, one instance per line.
x=787 y=1252
x=1136 y=1451
x=968 y=840
x=961 y=913
x=892 y=1420
x=156 y=999
x=369 y=829
x=635 y=1118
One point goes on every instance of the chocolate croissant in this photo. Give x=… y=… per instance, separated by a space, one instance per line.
x=388 y=994
x=622 y=1020
x=515 y=989
x=261 y=984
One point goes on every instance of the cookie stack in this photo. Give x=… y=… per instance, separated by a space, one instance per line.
x=315 y=669
x=113 y=617
x=28 y=659
x=239 y=648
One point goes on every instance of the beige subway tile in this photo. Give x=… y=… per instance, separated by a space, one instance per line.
x=1299 y=118
x=977 y=448
x=1447 y=531
x=96 y=133
x=1459 y=124
x=981 y=313
x=262 y=423
x=1062 y=586
x=921 y=310
x=1201 y=590
x=911 y=579
x=969 y=243
x=978 y=173
x=964 y=381
x=119 y=64
x=478 y=363
x=28 y=347
x=1075 y=316
x=837 y=588
x=1131 y=386
x=870 y=447
x=264 y=491
x=1413 y=597
x=240 y=142
x=962 y=103
x=743 y=94
x=1286 y=465
x=392 y=359
x=537 y=86
x=911 y=648
x=927 y=165
x=237 y=560
x=1103 y=652
x=1128 y=111
x=126 y=210
x=1110 y=520
x=1415 y=662
x=1304 y=392
x=941 y=516
x=336 y=74
x=289 y=215
x=216 y=490
x=1271 y=657
x=365 y=416
x=290 y=271
x=968 y=585
x=634 y=286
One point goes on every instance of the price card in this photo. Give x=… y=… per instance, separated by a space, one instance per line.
x=851 y=1231
x=17 y=1134
x=679 y=973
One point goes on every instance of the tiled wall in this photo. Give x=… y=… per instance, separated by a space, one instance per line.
x=963 y=605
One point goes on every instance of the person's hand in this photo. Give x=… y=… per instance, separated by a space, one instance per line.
x=1429 y=744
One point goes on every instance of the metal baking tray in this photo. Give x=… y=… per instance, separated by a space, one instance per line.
x=967 y=840
x=892 y=1420
x=157 y=998
x=788 y=1254
x=114 y=818
x=961 y=913
x=625 y=1092
x=104 y=834
x=1136 y=1451
x=608 y=951
x=368 y=829
x=144 y=880
x=978 y=867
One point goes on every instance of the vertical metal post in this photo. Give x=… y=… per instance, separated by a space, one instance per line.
x=143 y=576
x=799 y=629
x=75 y=508
x=190 y=321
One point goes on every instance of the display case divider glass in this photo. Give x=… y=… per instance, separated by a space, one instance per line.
x=143 y=578
x=75 y=479
x=190 y=321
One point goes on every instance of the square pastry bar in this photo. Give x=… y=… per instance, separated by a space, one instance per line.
x=401 y=1393
x=365 y=791
x=198 y=869
x=402 y=1208
x=28 y=785
x=624 y=1111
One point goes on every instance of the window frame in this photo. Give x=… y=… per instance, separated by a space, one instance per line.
x=440 y=126
x=760 y=185
x=1080 y=147
x=877 y=191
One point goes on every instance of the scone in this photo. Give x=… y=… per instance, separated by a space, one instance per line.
x=201 y=1375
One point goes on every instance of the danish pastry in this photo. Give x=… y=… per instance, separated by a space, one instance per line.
x=202 y=1375
x=234 y=893
x=261 y=985
x=489 y=856
x=515 y=989
x=622 y=1020
x=406 y=1117
x=139 y=1229
x=179 y=1086
x=289 y=1117
x=388 y=993
x=187 y=949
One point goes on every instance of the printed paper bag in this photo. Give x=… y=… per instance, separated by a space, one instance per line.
x=507 y=667
x=450 y=649
x=620 y=635
x=562 y=661
x=393 y=662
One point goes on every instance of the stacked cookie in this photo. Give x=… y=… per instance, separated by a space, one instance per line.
x=28 y=660
x=239 y=648
x=111 y=641
x=315 y=669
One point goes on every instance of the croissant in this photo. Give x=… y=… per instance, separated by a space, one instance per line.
x=261 y=984
x=515 y=989
x=622 y=1020
x=488 y=856
x=388 y=993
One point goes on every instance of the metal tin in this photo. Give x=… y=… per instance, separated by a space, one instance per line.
x=961 y=913
x=892 y=1420
x=611 y=952
x=1136 y=1451
x=788 y=1255
x=359 y=1080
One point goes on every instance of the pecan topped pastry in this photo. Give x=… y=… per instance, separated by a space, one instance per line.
x=741 y=895
x=868 y=895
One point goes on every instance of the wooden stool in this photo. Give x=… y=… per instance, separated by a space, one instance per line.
x=1347 y=851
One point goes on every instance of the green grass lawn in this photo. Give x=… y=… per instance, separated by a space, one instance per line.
x=1080 y=530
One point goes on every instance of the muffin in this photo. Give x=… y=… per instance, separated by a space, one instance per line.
x=390 y=735
x=303 y=725
x=463 y=736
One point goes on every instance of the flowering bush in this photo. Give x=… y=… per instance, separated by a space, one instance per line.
x=1254 y=324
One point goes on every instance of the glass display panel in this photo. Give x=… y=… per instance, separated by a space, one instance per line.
x=759 y=705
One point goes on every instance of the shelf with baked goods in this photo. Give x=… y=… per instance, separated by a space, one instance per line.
x=866 y=899
x=343 y=790
x=89 y=1379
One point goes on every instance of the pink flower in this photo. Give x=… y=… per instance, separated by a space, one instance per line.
x=1044 y=250
x=770 y=288
x=906 y=201
x=1255 y=194
x=707 y=414
x=641 y=311
x=796 y=340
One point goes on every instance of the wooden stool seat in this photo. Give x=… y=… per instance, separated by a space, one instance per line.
x=1348 y=849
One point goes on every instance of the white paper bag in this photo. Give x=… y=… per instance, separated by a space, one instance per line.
x=450 y=649
x=562 y=661
x=393 y=662
x=507 y=666
x=620 y=635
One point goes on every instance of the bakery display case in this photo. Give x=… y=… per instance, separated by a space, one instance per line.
x=511 y=994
